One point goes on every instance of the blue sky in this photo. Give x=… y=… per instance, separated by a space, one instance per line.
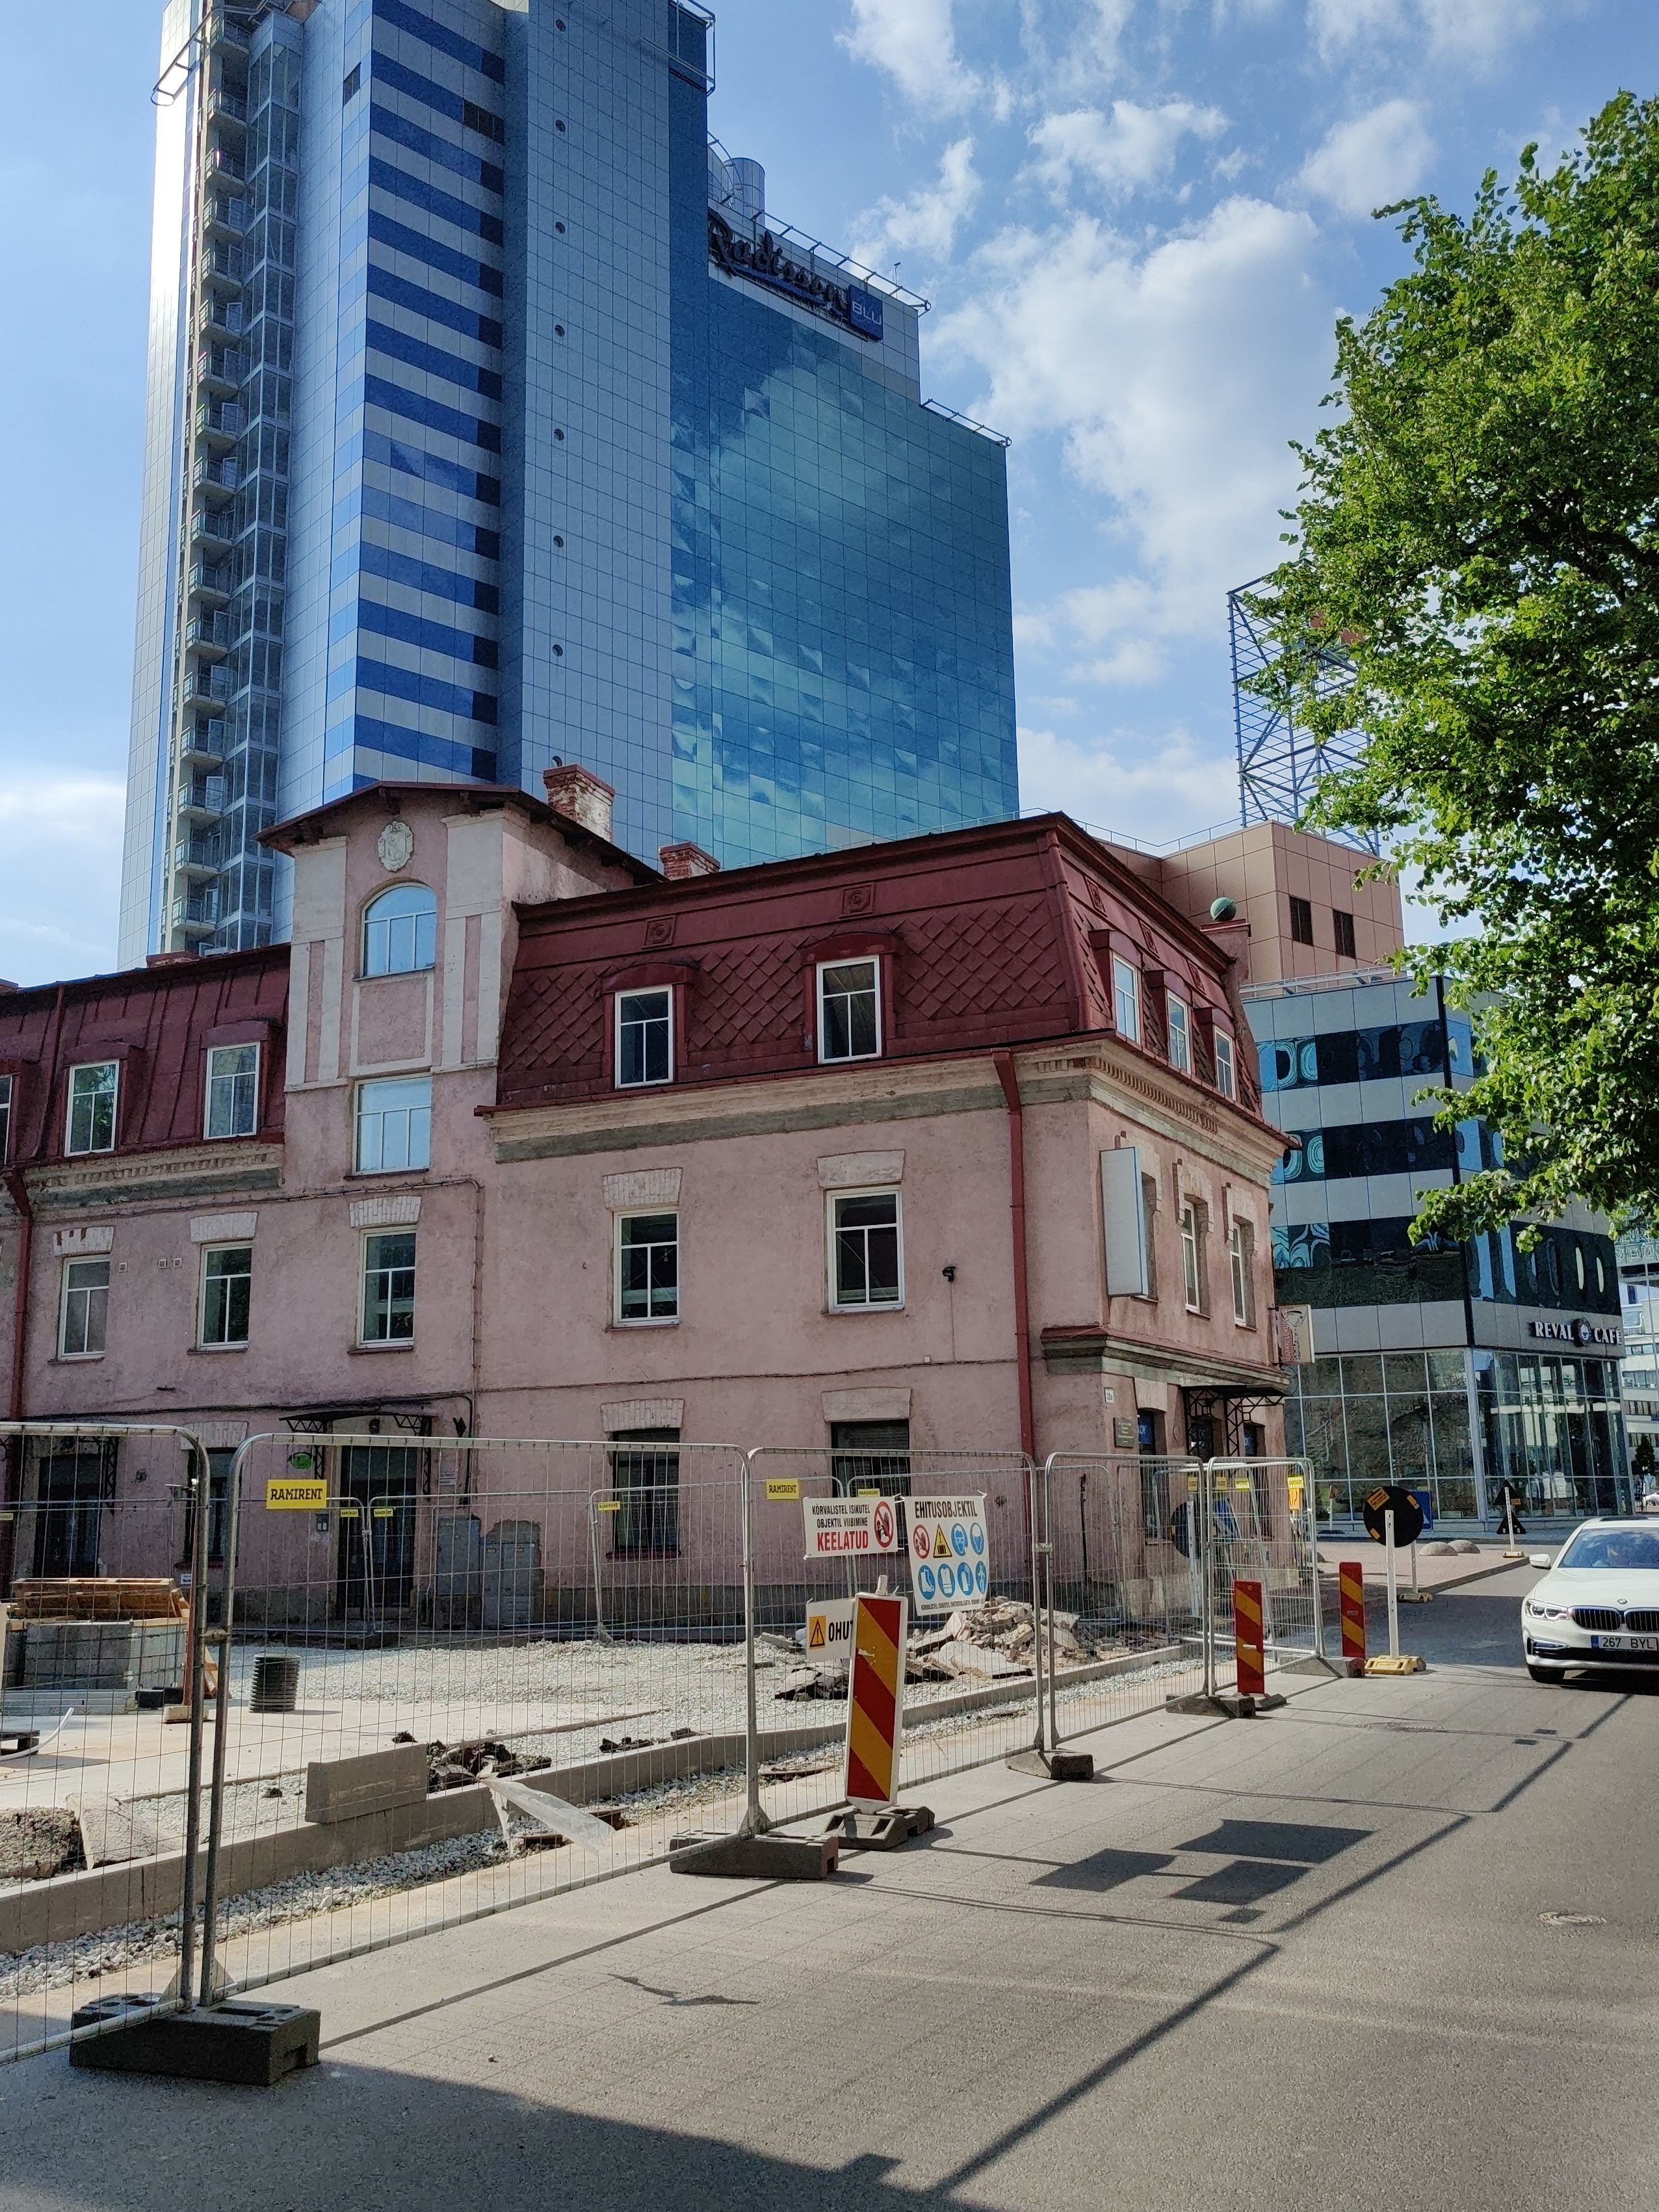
x=1137 y=220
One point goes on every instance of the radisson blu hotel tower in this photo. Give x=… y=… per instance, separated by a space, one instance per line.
x=493 y=421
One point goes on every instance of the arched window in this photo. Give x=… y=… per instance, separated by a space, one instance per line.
x=400 y=931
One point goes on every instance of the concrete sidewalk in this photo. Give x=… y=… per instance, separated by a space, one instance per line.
x=1255 y=1964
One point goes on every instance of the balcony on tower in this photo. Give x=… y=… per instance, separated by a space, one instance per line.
x=224 y=215
x=219 y=370
x=196 y=858
x=202 y=744
x=213 y=529
x=208 y=635
x=219 y=318
x=196 y=915
x=207 y=681
x=210 y=584
x=202 y=801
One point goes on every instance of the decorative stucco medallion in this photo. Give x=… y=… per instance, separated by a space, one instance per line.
x=397 y=844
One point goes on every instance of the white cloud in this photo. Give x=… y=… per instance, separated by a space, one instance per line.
x=1477 y=33
x=914 y=41
x=927 y=222
x=1374 y=158
x=56 y=831
x=1163 y=785
x=1132 y=147
x=1175 y=375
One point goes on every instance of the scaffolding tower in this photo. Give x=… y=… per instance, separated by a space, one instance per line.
x=1280 y=765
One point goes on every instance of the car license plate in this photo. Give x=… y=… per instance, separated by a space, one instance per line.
x=1625 y=1644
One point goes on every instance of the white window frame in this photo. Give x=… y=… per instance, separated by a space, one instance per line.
x=1226 y=1063
x=370 y=1237
x=1192 y=1255
x=1241 y=1260
x=203 y=1342
x=70 y=1288
x=872 y=961
x=7 y=1103
x=71 y=1149
x=645 y=1320
x=1126 y=991
x=643 y=1082
x=833 y=1200
x=1180 y=1025
x=428 y=915
x=235 y=1080
x=363 y=1114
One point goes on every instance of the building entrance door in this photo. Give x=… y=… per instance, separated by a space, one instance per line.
x=375 y=1564
x=69 y=1513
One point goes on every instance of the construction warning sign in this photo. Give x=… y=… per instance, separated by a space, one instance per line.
x=305 y=1493
x=1248 y=1640
x=845 y=1528
x=782 y=1489
x=829 y=1632
x=875 y=1700
x=950 y=1552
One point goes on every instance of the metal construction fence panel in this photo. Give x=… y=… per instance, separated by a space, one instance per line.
x=1124 y=1585
x=323 y=1692
x=413 y=1618
x=98 y=1648
x=1140 y=1553
x=1261 y=1529
x=971 y=1692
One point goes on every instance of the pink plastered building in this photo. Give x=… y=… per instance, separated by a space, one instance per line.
x=947 y=1145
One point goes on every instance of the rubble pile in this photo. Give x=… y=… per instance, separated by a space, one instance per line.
x=456 y=1766
x=39 y=1841
x=984 y=1644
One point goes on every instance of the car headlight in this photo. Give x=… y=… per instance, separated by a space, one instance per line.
x=1547 y=1612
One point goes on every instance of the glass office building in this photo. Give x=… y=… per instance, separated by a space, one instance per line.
x=493 y=422
x=1456 y=1369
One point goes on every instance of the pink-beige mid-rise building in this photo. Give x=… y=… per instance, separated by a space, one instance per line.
x=950 y=1143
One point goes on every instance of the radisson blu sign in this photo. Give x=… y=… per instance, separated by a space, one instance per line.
x=763 y=261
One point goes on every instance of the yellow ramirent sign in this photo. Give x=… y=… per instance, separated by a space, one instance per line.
x=306 y=1493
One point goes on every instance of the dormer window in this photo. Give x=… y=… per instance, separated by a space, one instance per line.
x=92 y=1096
x=400 y=931
x=849 y=1010
x=644 y=1038
x=1126 y=999
x=1226 y=1079
x=1181 y=1034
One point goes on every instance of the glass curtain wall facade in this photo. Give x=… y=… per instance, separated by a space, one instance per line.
x=493 y=423
x=1456 y=1369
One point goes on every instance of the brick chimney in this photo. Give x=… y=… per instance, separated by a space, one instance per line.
x=681 y=861
x=577 y=793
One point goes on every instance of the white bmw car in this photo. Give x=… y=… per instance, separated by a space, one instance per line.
x=1598 y=1604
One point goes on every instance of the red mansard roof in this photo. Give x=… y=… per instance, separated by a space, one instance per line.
x=996 y=937
x=159 y=1022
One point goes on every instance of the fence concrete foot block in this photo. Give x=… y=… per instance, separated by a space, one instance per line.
x=881 y=1831
x=755 y=1859
x=255 y=2044
x=1228 y=1704
x=1056 y=1766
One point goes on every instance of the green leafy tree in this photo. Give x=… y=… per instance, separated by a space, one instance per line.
x=1642 y=1464
x=1477 y=532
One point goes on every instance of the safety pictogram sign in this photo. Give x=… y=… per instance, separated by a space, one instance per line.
x=875 y=1700
x=1351 y=1588
x=1248 y=1640
x=950 y=1554
x=840 y=1527
x=829 y=1630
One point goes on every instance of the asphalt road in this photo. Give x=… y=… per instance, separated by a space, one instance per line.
x=1305 y=1960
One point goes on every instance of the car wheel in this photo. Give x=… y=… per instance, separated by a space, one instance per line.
x=1552 y=1675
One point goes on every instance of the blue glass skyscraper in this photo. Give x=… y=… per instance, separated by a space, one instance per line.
x=493 y=422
